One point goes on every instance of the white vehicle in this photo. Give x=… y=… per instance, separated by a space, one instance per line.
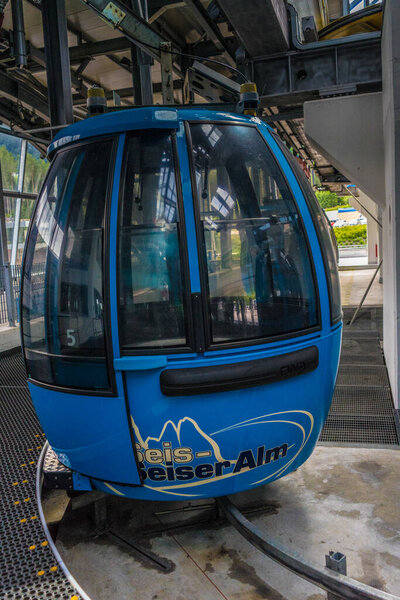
x=340 y=223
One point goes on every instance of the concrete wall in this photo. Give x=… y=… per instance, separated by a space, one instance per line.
x=391 y=214
x=348 y=131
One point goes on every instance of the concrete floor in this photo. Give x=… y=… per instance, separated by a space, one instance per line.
x=342 y=499
x=353 y=284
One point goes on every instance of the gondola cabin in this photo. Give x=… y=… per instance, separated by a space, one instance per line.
x=181 y=316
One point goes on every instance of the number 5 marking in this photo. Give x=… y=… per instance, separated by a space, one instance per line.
x=71 y=337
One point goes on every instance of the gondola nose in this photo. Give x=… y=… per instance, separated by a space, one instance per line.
x=181 y=315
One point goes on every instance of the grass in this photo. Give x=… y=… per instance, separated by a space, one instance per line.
x=351 y=235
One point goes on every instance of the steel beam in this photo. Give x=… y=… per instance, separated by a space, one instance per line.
x=288 y=115
x=209 y=27
x=77 y=78
x=21 y=92
x=261 y=25
x=93 y=49
x=127 y=92
x=167 y=88
x=163 y=9
x=121 y=44
x=140 y=33
x=135 y=28
x=297 y=76
x=57 y=61
x=141 y=63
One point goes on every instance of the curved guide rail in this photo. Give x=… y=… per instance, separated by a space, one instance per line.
x=341 y=585
x=39 y=480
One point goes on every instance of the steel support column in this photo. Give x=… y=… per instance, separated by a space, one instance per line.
x=18 y=201
x=19 y=33
x=141 y=63
x=166 y=73
x=57 y=61
x=6 y=279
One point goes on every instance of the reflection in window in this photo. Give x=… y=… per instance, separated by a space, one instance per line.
x=260 y=280
x=62 y=309
x=151 y=291
x=325 y=234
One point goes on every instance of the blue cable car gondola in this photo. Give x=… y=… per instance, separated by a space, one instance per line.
x=181 y=317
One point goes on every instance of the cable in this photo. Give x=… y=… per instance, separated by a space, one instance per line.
x=195 y=57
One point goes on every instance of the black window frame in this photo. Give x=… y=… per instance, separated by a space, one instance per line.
x=109 y=355
x=203 y=268
x=183 y=252
x=301 y=180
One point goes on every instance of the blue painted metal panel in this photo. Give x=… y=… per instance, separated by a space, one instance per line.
x=90 y=434
x=113 y=235
x=205 y=446
x=139 y=363
x=131 y=119
x=81 y=483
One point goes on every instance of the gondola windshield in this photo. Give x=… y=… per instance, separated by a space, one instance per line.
x=260 y=280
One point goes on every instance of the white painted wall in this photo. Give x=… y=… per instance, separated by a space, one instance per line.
x=348 y=131
x=391 y=214
x=360 y=135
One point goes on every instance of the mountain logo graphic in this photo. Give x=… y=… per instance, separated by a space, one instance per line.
x=181 y=435
x=183 y=455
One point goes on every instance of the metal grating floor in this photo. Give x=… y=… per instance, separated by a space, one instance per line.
x=362 y=375
x=362 y=410
x=355 y=400
x=28 y=568
x=367 y=429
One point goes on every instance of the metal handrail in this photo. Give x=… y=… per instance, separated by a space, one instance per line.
x=331 y=581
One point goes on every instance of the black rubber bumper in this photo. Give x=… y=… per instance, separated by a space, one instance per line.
x=236 y=376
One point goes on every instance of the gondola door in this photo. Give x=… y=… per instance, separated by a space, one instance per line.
x=192 y=297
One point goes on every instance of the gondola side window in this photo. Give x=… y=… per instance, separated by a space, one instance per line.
x=260 y=279
x=63 y=303
x=325 y=234
x=151 y=299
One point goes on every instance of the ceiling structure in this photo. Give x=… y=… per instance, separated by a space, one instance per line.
x=280 y=50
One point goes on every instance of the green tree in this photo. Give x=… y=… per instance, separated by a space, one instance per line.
x=328 y=199
x=9 y=169
x=35 y=171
